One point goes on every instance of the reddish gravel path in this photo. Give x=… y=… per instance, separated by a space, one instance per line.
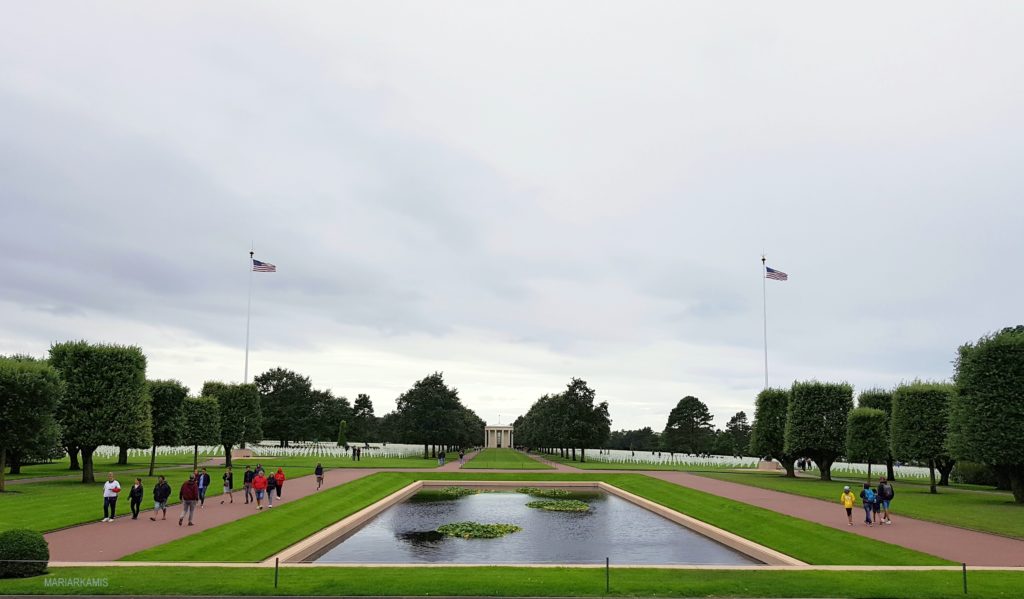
x=110 y=541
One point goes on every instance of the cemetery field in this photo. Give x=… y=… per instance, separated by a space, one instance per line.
x=50 y=505
x=104 y=464
x=593 y=463
x=986 y=511
x=524 y=582
x=505 y=459
x=260 y=536
x=306 y=464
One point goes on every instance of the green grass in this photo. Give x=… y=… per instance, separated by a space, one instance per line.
x=141 y=463
x=523 y=582
x=592 y=464
x=310 y=462
x=506 y=459
x=46 y=506
x=984 y=511
x=261 y=535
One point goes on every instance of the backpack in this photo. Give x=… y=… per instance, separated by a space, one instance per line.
x=868 y=495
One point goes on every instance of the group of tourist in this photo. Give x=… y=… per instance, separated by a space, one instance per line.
x=257 y=485
x=875 y=502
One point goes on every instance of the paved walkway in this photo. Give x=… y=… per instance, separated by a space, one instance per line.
x=110 y=541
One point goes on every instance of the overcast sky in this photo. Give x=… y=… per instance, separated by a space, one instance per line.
x=515 y=193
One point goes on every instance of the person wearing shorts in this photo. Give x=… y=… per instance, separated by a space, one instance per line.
x=319 y=472
x=161 y=495
x=229 y=483
x=848 y=499
x=885 y=493
x=259 y=486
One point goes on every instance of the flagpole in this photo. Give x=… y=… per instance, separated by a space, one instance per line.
x=248 y=316
x=764 y=305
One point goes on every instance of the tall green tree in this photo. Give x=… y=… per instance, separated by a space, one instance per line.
x=29 y=394
x=989 y=405
x=586 y=422
x=202 y=424
x=768 y=434
x=239 y=410
x=867 y=436
x=328 y=411
x=342 y=434
x=643 y=439
x=816 y=422
x=738 y=431
x=363 y=422
x=689 y=428
x=105 y=397
x=879 y=399
x=286 y=399
x=166 y=398
x=429 y=413
x=920 y=423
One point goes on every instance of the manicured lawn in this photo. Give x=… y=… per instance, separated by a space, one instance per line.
x=50 y=505
x=104 y=465
x=592 y=464
x=528 y=582
x=505 y=459
x=984 y=511
x=259 y=536
x=310 y=462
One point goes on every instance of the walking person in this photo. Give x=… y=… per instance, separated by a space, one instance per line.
x=886 y=493
x=110 y=490
x=848 y=500
x=867 y=496
x=259 y=485
x=135 y=495
x=161 y=493
x=229 y=483
x=271 y=487
x=279 y=479
x=189 y=496
x=247 y=484
x=462 y=456
x=319 y=472
x=203 y=483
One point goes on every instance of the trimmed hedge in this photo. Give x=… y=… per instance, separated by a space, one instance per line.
x=23 y=544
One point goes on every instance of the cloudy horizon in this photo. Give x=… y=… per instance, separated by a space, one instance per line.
x=515 y=194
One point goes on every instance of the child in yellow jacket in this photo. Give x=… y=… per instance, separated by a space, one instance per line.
x=848 y=499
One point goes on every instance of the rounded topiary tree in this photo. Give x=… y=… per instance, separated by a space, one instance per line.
x=816 y=422
x=920 y=423
x=867 y=436
x=28 y=548
x=989 y=405
x=880 y=399
x=768 y=435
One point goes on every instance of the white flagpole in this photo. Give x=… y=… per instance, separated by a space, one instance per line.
x=764 y=304
x=248 y=316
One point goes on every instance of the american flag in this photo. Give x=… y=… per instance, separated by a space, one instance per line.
x=258 y=266
x=778 y=275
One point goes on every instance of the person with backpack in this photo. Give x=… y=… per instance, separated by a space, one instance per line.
x=886 y=493
x=319 y=472
x=848 y=501
x=135 y=497
x=161 y=493
x=867 y=496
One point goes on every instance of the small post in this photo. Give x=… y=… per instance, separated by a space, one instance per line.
x=964 y=564
x=277 y=566
x=607 y=576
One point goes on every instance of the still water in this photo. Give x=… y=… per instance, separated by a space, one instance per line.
x=613 y=527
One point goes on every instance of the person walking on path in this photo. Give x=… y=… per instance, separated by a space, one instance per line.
x=259 y=485
x=203 y=482
x=271 y=487
x=319 y=472
x=848 y=501
x=161 y=493
x=229 y=483
x=247 y=483
x=135 y=495
x=110 y=490
x=867 y=496
x=189 y=496
x=462 y=456
x=279 y=479
x=885 y=493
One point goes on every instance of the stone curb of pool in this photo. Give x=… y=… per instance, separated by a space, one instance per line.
x=310 y=546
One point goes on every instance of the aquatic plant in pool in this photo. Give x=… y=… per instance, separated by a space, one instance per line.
x=560 y=505
x=538 y=492
x=476 y=530
x=458 y=491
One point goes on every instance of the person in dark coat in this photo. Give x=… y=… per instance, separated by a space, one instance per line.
x=135 y=495
x=161 y=493
x=247 y=483
x=189 y=496
x=203 y=482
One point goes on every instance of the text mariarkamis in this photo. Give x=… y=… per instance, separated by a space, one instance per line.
x=75 y=582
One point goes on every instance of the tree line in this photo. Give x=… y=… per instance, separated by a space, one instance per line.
x=86 y=395
x=564 y=422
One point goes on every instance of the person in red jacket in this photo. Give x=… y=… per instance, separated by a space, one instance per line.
x=259 y=484
x=279 y=477
x=189 y=496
